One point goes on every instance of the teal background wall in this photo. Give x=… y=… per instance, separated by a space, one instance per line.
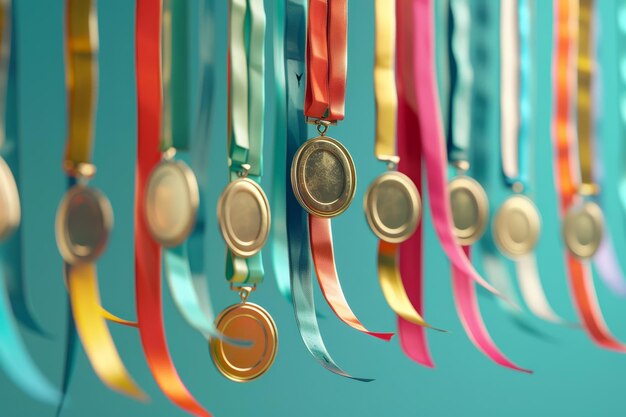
x=572 y=377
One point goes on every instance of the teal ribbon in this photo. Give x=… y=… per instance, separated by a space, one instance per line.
x=14 y=357
x=621 y=43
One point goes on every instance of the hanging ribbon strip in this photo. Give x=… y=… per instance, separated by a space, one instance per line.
x=278 y=239
x=385 y=150
x=516 y=113
x=325 y=100
x=82 y=282
x=147 y=253
x=14 y=357
x=417 y=15
x=605 y=260
x=621 y=54
x=579 y=273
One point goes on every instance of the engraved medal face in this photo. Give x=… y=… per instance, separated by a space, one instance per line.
x=517 y=226
x=10 y=210
x=172 y=200
x=323 y=177
x=470 y=209
x=392 y=207
x=583 y=229
x=243 y=212
x=249 y=322
x=84 y=221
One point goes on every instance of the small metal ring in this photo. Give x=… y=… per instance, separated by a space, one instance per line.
x=322 y=127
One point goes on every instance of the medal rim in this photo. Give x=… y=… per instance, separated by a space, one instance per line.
x=503 y=241
x=62 y=233
x=297 y=174
x=583 y=252
x=482 y=204
x=189 y=180
x=13 y=213
x=226 y=227
x=371 y=212
x=215 y=343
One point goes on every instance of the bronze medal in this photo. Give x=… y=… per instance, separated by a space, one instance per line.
x=10 y=210
x=583 y=229
x=323 y=177
x=392 y=207
x=470 y=209
x=83 y=223
x=244 y=215
x=172 y=200
x=517 y=226
x=250 y=322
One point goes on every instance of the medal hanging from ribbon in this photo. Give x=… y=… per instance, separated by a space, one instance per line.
x=301 y=284
x=14 y=357
x=583 y=222
x=147 y=250
x=392 y=202
x=323 y=176
x=517 y=223
x=85 y=218
x=243 y=209
x=416 y=56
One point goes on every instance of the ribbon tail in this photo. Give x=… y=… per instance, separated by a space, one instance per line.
x=69 y=358
x=608 y=267
x=469 y=313
x=324 y=260
x=586 y=300
x=14 y=357
x=533 y=292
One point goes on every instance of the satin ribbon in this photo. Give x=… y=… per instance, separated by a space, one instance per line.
x=89 y=316
x=325 y=100
x=385 y=150
x=296 y=217
x=422 y=97
x=147 y=251
x=14 y=357
x=579 y=273
x=278 y=239
x=605 y=260
x=516 y=114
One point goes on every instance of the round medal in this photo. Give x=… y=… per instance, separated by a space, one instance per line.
x=84 y=221
x=517 y=226
x=392 y=207
x=172 y=200
x=323 y=177
x=244 y=215
x=583 y=229
x=10 y=211
x=470 y=209
x=245 y=321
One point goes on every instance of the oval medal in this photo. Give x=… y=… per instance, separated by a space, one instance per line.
x=517 y=226
x=323 y=177
x=250 y=322
x=83 y=223
x=392 y=207
x=10 y=210
x=172 y=200
x=583 y=229
x=470 y=209
x=243 y=212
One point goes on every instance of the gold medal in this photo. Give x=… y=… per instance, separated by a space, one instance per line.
x=470 y=209
x=392 y=207
x=83 y=223
x=10 y=211
x=172 y=200
x=244 y=215
x=250 y=322
x=323 y=177
x=583 y=229
x=517 y=226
